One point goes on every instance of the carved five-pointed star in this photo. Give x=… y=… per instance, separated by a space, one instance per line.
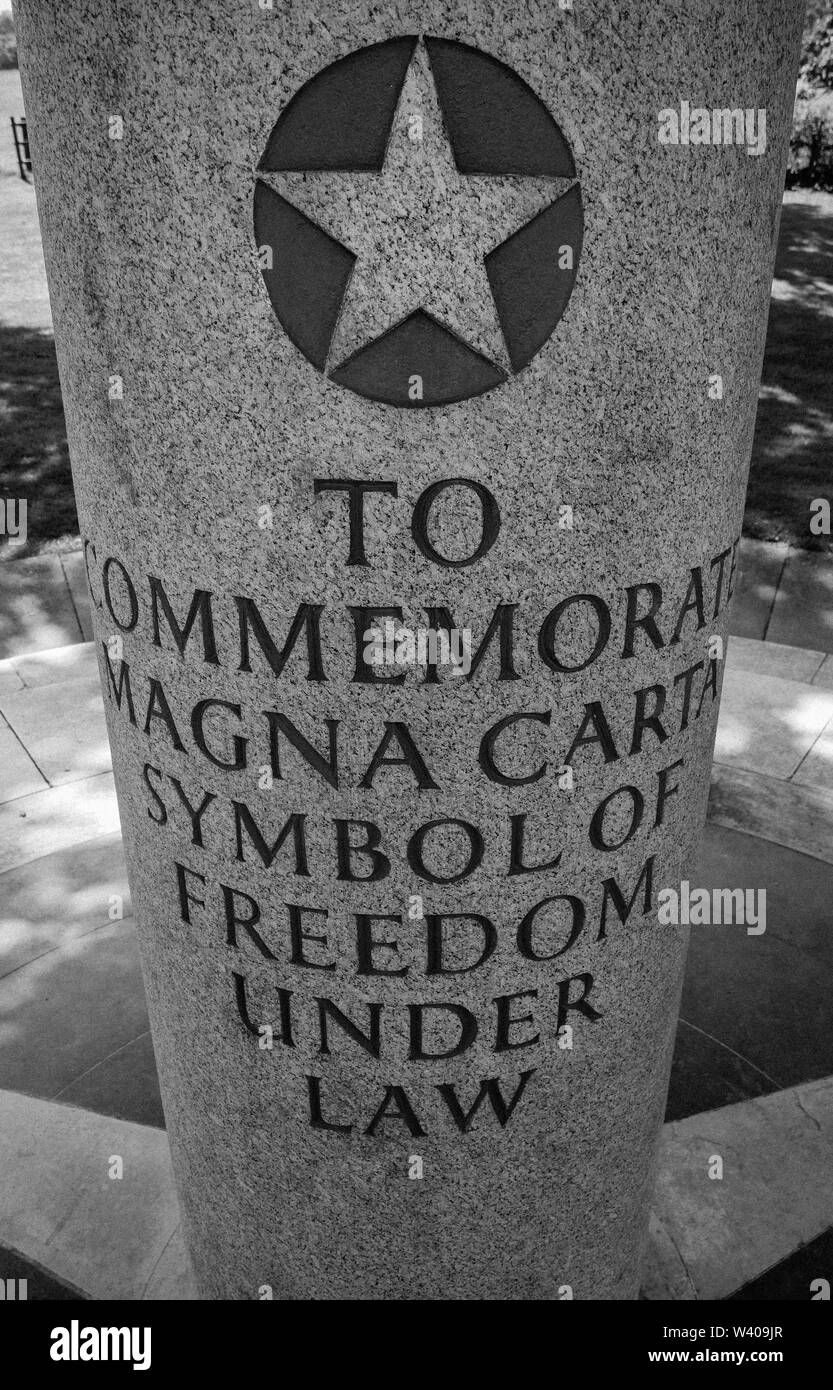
x=420 y=229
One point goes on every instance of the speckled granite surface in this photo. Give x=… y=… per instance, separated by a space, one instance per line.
x=205 y=537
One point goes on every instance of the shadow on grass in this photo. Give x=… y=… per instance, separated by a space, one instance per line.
x=34 y=458
x=791 y=457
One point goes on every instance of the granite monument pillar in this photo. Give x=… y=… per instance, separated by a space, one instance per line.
x=410 y=362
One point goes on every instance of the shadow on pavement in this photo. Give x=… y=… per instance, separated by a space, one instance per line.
x=34 y=457
x=794 y=429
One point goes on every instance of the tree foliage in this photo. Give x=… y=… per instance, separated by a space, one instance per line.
x=816 y=67
x=8 y=42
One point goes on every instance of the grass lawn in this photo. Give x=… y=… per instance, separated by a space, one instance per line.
x=34 y=459
x=792 y=458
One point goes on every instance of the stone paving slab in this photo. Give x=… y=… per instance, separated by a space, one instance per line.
x=57 y=818
x=20 y=775
x=768 y=724
x=75 y=573
x=824 y=675
x=802 y=613
x=774 y=659
x=40 y=1285
x=816 y=769
x=711 y=1236
x=52 y=667
x=37 y=610
x=112 y=1238
x=791 y=1279
x=62 y=727
x=69 y=1011
x=786 y=813
x=47 y=904
x=760 y=566
x=124 y=1084
x=783 y=596
x=9 y=679
x=73 y=1019
x=761 y=1002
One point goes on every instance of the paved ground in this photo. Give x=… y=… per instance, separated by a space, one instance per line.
x=752 y=1069
x=794 y=426
x=44 y=604
x=712 y=1236
x=784 y=596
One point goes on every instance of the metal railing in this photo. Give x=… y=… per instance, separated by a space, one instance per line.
x=21 y=146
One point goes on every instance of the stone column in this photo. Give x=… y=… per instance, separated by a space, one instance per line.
x=367 y=336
